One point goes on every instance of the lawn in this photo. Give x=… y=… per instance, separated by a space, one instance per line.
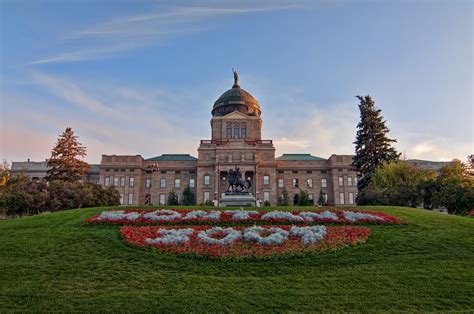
x=56 y=262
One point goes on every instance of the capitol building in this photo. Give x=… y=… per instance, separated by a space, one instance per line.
x=236 y=141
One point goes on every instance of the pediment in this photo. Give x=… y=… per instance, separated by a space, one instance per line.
x=236 y=115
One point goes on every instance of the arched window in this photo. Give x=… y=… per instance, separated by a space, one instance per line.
x=229 y=130
x=236 y=130
x=243 y=130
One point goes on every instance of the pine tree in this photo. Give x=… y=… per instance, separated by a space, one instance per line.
x=372 y=146
x=321 y=199
x=188 y=196
x=284 y=198
x=173 y=198
x=65 y=161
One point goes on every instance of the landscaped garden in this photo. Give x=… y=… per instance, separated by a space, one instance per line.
x=338 y=259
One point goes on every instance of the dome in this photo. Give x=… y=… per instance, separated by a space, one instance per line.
x=236 y=99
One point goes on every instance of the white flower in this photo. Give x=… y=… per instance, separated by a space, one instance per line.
x=163 y=215
x=171 y=236
x=310 y=216
x=118 y=215
x=281 y=215
x=277 y=236
x=309 y=235
x=213 y=215
x=231 y=236
x=241 y=214
x=354 y=216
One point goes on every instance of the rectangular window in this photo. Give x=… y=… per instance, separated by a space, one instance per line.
x=191 y=183
x=206 y=196
x=177 y=183
x=266 y=196
x=148 y=183
x=349 y=181
x=107 y=181
x=281 y=183
x=207 y=180
x=229 y=133
x=116 y=181
x=341 y=181
x=341 y=198
x=132 y=182
x=162 y=183
x=355 y=181
x=122 y=181
x=236 y=131
x=310 y=196
x=325 y=196
x=243 y=132
x=121 y=198
x=324 y=183
x=351 y=198
x=162 y=199
x=130 y=198
x=310 y=183
x=266 y=180
x=295 y=183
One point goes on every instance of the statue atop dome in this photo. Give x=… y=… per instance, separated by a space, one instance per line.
x=236 y=78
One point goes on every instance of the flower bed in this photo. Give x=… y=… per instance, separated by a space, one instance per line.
x=176 y=216
x=243 y=242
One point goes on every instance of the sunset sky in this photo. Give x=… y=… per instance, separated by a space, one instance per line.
x=140 y=77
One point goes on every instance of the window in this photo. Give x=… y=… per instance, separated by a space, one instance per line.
x=325 y=196
x=349 y=181
x=310 y=196
x=339 y=170
x=177 y=183
x=207 y=180
x=355 y=181
x=162 y=183
x=310 y=183
x=132 y=182
x=206 y=196
x=121 y=198
x=281 y=183
x=266 y=196
x=236 y=130
x=341 y=181
x=295 y=183
x=107 y=181
x=229 y=132
x=243 y=131
x=122 y=181
x=191 y=183
x=351 y=198
x=148 y=183
x=116 y=181
x=324 y=183
x=130 y=198
x=266 y=180
x=162 y=199
x=341 y=198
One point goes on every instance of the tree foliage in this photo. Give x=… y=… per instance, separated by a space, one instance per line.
x=173 y=198
x=65 y=161
x=372 y=145
x=188 y=196
x=321 y=199
x=284 y=199
x=303 y=198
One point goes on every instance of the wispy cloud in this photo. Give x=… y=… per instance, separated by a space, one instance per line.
x=122 y=34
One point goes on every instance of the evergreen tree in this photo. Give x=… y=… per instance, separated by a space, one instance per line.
x=188 y=196
x=321 y=200
x=372 y=146
x=173 y=198
x=65 y=161
x=284 y=198
x=303 y=198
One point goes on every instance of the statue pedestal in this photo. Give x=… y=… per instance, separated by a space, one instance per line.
x=238 y=200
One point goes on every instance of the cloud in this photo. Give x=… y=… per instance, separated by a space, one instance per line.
x=122 y=34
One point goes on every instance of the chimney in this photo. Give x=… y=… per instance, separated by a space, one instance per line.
x=28 y=159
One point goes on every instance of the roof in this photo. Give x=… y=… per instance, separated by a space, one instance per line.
x=173 y=157
x=299 y=157
x=18 y=166
x=236 y=99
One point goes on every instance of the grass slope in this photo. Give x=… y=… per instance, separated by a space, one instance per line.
x=54 y=262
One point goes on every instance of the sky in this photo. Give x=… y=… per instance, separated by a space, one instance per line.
x=140 y=77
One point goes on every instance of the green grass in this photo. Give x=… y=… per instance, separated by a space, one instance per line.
x=55 y=262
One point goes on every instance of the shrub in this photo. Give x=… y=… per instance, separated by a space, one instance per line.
x=371 y=196
x=173 y=198
x=266 y=204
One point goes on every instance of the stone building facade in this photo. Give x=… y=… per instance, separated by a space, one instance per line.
x=236 y=140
